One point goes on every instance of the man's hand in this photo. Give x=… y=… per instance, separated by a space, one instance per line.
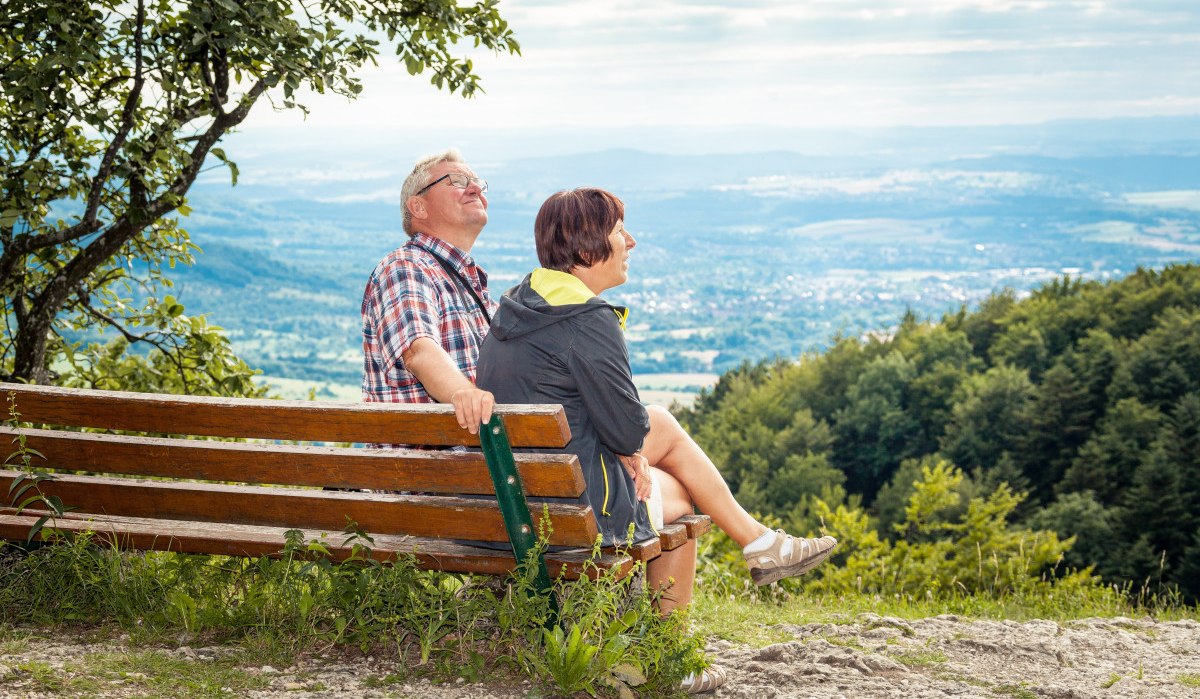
x=441 y=378
x=638 y=468
x=473 y=407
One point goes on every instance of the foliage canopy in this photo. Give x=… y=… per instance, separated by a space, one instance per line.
x=1085 y=397
x=108 y=111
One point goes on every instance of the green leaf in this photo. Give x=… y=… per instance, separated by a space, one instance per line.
x=36 y=528
x=56 y=505
x=628 y=674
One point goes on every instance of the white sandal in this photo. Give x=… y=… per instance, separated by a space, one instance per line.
x=706 y=680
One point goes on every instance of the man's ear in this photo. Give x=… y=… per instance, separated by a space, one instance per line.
x=416 y=207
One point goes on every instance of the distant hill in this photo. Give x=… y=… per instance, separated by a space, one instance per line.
x=741 y=256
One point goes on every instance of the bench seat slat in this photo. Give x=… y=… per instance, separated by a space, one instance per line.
x=697 y=525
x=375 y=513
x=547 y=475
x=639 y=550
x=368 y=423
x=672 y=536
x=254 y=541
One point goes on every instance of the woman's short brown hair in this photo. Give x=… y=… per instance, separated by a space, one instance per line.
x=573 y=226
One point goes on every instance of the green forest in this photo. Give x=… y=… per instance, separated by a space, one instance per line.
x=1081 y=402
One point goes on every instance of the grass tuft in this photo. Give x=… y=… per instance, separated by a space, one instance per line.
x=1113 y=678
x=920 y=658
x=1014 y=691
x=270 y=610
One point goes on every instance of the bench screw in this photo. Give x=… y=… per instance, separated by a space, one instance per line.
x=495 y=430
x=512 y=480
x=524 y=528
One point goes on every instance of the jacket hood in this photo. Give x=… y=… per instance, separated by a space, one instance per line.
x=543 y=298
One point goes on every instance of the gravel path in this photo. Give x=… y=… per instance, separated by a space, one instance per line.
x=874 y=657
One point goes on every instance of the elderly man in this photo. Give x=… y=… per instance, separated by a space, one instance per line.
x=426 y=307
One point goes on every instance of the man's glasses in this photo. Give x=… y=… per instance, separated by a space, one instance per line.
x=457 y=179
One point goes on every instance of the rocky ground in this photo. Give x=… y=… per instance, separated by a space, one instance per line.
x=874 y=657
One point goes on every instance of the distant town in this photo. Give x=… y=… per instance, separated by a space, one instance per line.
x=732 y=264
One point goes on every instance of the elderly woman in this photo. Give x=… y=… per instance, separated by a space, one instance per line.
x=554 y=340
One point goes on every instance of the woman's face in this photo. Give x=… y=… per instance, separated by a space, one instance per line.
x=615 y=270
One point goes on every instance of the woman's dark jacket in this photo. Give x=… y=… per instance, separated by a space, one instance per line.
x=552 y=341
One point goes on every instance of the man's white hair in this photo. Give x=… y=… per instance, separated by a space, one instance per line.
x=419 y=178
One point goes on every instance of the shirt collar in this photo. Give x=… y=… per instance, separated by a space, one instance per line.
x=445 y=250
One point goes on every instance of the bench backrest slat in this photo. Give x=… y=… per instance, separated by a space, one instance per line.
x=415 y=515
x=546 y=475
x=368 y=423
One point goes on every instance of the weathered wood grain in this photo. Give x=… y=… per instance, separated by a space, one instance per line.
x=252 y=541
x=376 y=513
x=434 y=471
x=312 y=421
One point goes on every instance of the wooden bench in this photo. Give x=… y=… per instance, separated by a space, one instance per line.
x=166 y=490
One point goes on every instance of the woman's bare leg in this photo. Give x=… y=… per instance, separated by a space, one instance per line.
x=673 y=572
x=669 y=448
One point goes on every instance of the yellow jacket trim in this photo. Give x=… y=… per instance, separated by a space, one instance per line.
x=604 y=505
x=562 y=289
x=559 y=288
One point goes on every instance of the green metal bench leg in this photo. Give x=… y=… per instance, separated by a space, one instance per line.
x=510 y=493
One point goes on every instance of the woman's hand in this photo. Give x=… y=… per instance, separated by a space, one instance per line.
x=638 y=469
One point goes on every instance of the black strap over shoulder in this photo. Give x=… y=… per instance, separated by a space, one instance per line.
x=462 y=281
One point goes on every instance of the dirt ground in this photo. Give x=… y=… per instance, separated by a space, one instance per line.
x=874 y=657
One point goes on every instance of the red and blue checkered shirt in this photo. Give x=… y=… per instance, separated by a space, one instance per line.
x=409 y=296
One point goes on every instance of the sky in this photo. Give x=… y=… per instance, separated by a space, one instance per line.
x=633 y=71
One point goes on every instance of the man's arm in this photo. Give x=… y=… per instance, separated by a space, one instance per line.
x=442 y=380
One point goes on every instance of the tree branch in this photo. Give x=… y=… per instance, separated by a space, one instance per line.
x=221 y=124
x=168 y=348
x=58 y=289
x=85 y=301
x=126 y=125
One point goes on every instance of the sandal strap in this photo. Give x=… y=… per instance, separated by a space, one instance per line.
x=706 y=680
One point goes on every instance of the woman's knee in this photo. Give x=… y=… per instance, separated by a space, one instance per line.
x=666 y=434
x=662 y=419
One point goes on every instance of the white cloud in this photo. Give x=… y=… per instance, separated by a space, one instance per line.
x=638 y=63
x=386 y=194
x=307 y=176
x=897 y=181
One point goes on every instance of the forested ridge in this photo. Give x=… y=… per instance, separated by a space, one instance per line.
x=1083 y=396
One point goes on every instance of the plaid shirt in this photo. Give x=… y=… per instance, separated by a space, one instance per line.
x=409 y=296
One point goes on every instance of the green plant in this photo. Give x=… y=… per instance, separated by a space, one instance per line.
x=160 y=673
x=953 y=553
x=1113 y=678
x=384 y=681
x=963 y=679
x=25 y=490
x=437 y=624
x=1014 y=691
x=920 y=658
x=576 y=664
x=853 y=643
x=568 y=659
x=1189 y=680
x=40 y=674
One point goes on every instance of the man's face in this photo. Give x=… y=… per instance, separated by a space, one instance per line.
x=449 y=208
